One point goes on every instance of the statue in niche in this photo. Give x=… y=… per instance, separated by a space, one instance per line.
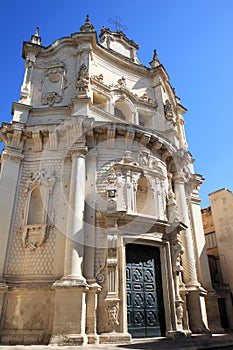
x=82 y=80
x=172 y=207
x=168 y=111
x=53 y=85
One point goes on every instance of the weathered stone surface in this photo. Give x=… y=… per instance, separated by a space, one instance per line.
x=96 y=158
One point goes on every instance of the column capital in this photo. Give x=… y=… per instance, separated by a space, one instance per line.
x=12 y=156
x=178 y=178
x=78 y=151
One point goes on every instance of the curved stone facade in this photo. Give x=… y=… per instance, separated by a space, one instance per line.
x=96 y=163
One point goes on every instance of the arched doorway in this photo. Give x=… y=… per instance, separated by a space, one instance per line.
x=145 y=308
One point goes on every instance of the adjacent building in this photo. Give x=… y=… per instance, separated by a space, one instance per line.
x=218 y=229
x=101 y=230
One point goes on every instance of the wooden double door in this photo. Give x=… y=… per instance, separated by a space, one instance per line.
x=145 y=308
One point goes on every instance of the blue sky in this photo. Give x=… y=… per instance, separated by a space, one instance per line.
x=193 y=39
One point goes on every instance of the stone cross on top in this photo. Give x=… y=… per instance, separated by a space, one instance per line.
x=117 y=23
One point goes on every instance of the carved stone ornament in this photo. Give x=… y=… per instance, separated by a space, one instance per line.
x=179 y=311
x=146 y=98
x=38 y=178
x=101 y=265
x=112 y=312
x=82 y=81
x=122 y=82
x=168 y=110
x=34 y=236
x=144 y=158
x=111 y=189
x=99 y=77
x=172 y=207
x=177 y=250
x=54 y=84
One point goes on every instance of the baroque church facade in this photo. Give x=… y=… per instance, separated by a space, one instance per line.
x=101 y=229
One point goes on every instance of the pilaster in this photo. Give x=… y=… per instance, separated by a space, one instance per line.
x=196 y=294
x=10 y=173
x=203 y=272
x=89 y=250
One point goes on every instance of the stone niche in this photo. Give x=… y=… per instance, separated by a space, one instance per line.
x=54 y=84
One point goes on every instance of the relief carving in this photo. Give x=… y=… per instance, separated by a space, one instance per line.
x=54 y=84
x=111 y=190
x=112 y=312
x=144 y=158
x=122 y=82
x=101 y=265
x=33 y=236
x=169 y=114
x=82 y=81
x=172 y=207
x=179 y=311
x=38 y=178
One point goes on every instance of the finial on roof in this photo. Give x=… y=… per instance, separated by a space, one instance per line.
x=36 y=39
x=155 y=60
x=87 y=27
x=37 y=31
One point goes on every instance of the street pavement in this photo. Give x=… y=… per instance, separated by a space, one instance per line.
x=195 y=342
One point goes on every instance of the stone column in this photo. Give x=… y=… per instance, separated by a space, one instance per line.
x=70 y=296
x=89 y=251
x=75 y=218
x=195 y=297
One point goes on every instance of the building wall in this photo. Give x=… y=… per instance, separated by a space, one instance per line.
x=217 y=221
x=222 y=208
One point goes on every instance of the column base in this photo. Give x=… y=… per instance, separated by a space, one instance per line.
x=92 y=339
x=197 y=310
x=91 y=305
x=69 y=312
x=70 y=281
x=178 y=335
x=114 y=338
x=67 y=339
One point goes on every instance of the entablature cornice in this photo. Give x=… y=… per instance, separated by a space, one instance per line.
x=31 y=49
x=74 y=41
x=131 y=224
x=12 y=134
x=47 y=111
x=151 y=140
x=12 y=156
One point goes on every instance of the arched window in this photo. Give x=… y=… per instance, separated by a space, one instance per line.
x=36 y=212
x=124 y=110
x=144 y=197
